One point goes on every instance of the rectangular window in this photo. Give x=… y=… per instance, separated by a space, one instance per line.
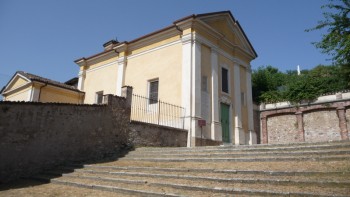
x=224 y=80
x=204 y=83
x=99 y=97
x=153 y=92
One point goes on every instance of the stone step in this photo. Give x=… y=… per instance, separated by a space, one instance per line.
x=317 y=169
x=111 y=188
x=265 y=180
x=239 y=159
x=259 y=148
x=154 y=183
x=325 y=166
x=331 y=175
x=239 y=154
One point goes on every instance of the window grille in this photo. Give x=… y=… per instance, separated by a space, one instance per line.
x=153 y=92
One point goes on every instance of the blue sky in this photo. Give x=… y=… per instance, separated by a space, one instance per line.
x=44 y=37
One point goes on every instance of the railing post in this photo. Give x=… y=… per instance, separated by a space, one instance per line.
x=183 y=118
x=158 y=110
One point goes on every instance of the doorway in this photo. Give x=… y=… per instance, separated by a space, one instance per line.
x=225 y=122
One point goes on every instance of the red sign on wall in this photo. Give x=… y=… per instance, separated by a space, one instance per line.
x=201 y=123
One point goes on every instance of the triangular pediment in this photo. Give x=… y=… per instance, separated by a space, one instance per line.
x=16 y=81
x=229 y=28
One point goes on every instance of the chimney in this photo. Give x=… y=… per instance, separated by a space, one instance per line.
x=110 y=44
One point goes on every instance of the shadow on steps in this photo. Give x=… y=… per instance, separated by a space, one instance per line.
x=45 y=176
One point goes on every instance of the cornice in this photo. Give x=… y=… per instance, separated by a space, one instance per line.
x=171 y=32
x=84 y=61
x=185 y=24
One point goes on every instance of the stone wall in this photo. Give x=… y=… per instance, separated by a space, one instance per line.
x=313 y=122
x=37 y=136
x=320 y=126
x=145 y=134
x=282 y=129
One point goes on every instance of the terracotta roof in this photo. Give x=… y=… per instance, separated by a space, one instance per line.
x=33 y=77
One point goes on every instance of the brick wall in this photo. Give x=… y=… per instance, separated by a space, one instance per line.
x=37 y=136
x=313 y=122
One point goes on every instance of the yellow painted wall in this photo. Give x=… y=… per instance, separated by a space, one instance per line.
x=100 y=79
x=58 y=95
x=164 y=64
x=19 y=95
x=17 y=82
x=111 y=57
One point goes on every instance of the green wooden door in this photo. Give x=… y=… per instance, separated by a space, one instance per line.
x=225 y=110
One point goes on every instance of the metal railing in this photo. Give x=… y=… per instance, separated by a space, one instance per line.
x=152 y=111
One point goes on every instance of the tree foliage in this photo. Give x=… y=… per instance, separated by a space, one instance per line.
x=271 y=85
x=337 y=40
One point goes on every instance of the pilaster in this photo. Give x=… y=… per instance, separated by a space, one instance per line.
x=263 y=129
x=216 y=130
x=186 y=83
x=342 y=123
x=249 y=100
x=239 y=133
x=35 y=94
x=301 y=134
x=81 y=75
x=196 y=87
x=121 y=75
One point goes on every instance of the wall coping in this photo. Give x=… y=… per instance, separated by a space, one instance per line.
x=287 y=105
x=159 y=126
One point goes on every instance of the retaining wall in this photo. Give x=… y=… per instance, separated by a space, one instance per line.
x=145 y=134
x=314 y=122
x=38 y=136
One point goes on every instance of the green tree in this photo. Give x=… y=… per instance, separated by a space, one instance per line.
x=303 y=88
x=265 y=79
x=330 y=78
x=337 y=41
x=270 y=85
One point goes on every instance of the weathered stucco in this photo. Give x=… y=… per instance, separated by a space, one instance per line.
x=321 y=126
x=282 y=129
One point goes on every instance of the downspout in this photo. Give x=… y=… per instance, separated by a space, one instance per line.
x=40 y=91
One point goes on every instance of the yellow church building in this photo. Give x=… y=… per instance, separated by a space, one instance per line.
x=200 y=62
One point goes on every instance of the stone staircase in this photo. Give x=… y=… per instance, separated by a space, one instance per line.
x=313 y=169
